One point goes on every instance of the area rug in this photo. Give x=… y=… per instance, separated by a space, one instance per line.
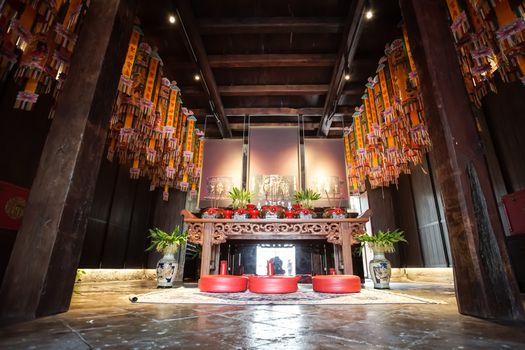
x=305 y=296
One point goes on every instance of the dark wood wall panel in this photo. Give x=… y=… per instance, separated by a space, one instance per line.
x=119 y=221
x=432 y=246
x=381 y=201
x=118 y=225
x=430 y=225
x=166 y=216
x=505 y=115
x=22 y=137
x=406 y=219
x=413 y=206
x=100 y=212
x=140 y=223
x=7 y=240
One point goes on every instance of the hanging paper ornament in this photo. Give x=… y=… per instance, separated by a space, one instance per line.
x=149 y=127
x=388 y=132
x=41 y=35
x=489 y=38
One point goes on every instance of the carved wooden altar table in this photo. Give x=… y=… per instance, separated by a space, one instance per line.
x=210 y=233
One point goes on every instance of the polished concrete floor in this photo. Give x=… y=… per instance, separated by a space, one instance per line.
x=101 y=317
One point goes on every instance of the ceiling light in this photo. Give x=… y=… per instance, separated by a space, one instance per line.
x=369 y=14
x=347 y=76
x=197 y=77
x=171 y=19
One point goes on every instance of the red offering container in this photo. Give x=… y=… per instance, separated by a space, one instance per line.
x=227 y=213
x=270 y=271
x=254 y=213
x=224 y=267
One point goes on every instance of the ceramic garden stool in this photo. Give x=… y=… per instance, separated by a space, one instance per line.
x=336 y=284
x=223 y=284
x=273 y=284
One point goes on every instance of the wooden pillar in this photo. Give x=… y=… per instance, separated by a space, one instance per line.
x=347 y=248
x=485 y=284
x=167 y=216
x=40 y=276
x=206 y=249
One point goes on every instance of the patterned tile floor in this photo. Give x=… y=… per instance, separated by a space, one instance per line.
x=101 y=317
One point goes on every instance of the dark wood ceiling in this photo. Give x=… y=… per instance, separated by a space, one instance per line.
x=270 y=61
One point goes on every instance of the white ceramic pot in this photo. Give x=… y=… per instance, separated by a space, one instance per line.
x=167 y=268
x=380 y=270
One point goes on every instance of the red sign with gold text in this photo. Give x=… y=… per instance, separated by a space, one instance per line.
x=13 y=200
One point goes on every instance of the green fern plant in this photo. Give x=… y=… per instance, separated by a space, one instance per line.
x=382 y=241
x=240 y=197
x=165 y=242
x=306 y=197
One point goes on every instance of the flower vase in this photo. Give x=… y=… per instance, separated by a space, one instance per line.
x=167 y=268
x=305 y=215
x=381 y=270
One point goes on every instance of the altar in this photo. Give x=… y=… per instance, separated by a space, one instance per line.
x=210 y=233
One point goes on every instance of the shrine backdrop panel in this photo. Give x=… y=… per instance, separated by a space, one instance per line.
x=221 y=169
x=273 y=151
x=325 y=170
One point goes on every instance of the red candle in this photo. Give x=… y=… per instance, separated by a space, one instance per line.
x=224 y=267
x=289 y=214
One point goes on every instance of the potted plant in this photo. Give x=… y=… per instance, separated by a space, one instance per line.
x=272 y=212
x=305 y=199
x=240 y=198
x=167 y=244
x=334 y=213
x=213 y=213
x=380 y=243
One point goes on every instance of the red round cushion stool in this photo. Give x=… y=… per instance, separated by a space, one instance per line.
x=273 y=284
x=223 y=284
x=336 y=284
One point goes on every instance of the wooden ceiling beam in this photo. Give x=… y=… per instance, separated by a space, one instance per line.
x=267 y=90
x=196 y=50
x=346 y=55
x=272 y=60
x=270 y=90
x=285 y=111
x=240 y=126
x=275 y=111
x=256 y=25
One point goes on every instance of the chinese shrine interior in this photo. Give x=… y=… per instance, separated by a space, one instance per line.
x=405 y=115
